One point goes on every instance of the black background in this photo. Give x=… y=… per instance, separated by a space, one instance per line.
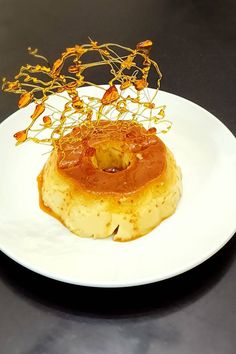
x=195 y=44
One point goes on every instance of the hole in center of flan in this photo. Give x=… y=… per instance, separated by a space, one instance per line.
x=112 y=157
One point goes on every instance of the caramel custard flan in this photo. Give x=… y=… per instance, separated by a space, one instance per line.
x=113 y=178
x=106 y=174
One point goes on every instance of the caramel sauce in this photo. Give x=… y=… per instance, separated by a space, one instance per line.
x=42 y=206
x=147 y=150
x=111 y=170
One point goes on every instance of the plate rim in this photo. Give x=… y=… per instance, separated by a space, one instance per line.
x=114 y=284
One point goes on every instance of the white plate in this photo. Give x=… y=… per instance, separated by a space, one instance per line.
x=204 y=221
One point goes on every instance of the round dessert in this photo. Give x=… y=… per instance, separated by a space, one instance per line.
x=110 y=178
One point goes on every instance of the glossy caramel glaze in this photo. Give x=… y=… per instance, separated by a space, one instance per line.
x=147 y=156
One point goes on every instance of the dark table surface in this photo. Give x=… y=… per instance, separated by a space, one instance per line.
x=195 y=43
